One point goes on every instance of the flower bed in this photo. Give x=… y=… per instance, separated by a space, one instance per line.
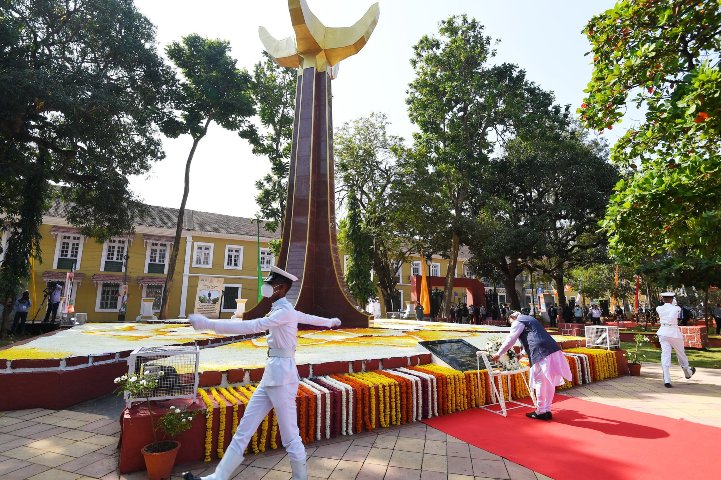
x=350 y=403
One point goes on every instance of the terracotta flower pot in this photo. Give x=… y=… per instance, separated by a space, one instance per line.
x=160 y=459
x=634 y=369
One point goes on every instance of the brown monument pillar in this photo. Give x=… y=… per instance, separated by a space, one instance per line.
x=309 y=247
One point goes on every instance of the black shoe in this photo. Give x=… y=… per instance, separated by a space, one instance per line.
x=540 y=416
x=667 y=385
x=692 y=370
x=189 y=476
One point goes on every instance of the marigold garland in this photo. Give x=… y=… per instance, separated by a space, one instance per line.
x=234 y=402
x=208 y=424
x=221 y=428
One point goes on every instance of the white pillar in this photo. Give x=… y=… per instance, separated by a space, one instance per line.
x=186 y=276
x=240 y=308
x=146 y=308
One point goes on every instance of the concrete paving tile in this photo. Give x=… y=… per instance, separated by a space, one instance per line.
x=54 y=474
x=50 y=432
x=346 y=470
x=25 y=472
x=321 y=467
x=77 y=463
x=385 y=441
x=7 y=421
x=433 y=475
x=23 y=453
x=399 y=473
x=410 y=444
x=454 y=476
x=267 y=461
x=460 y=466
x=378 y=456
x=482 y=454
x=416 y=433
x=489 y=468
x=11 y=464
x=435 y=463
x=51 y=459
x=433 y=434
x=518 y=472
x=437 y=447
x=454 y=449
x=277 y=475
x=356 y=453
x=253 y=473
x=406 y=459
x=371 y=471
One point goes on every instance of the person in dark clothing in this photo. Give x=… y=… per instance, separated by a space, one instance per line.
x=22 y=307
x=494 y=312
x=567 y=314
x=453 y=314
x=419 y=311
x=53 y=304
x=553 y=315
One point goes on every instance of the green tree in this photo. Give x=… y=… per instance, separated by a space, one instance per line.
x=273 y=90
x=212 y=89
x=81 y=89
x=464 y=109
x=366 y=165
x=355 y=240
x=664 y=53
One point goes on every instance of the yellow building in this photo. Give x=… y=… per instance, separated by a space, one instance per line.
x=211 y=245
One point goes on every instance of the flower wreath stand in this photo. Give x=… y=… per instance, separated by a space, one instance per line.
x=498 y=377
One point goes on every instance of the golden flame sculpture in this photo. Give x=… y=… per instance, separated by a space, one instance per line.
x=316 y=45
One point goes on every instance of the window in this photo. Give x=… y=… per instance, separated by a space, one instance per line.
x=233 y=257
x=415 y=268
x=266 y=259
x=230 y=294
x=435 y=269
x=114 y=256
x=108 y=297
x=501 y=298
x=399 y=273
x=157 y=257
x=466 y=271
x=203 y=255
x=156 y=292
x=69 y=249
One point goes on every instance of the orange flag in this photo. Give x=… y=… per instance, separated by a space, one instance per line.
x=425 y=298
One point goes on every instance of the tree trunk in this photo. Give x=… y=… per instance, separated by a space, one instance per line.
x=451 y=275
x=560 y=289
x=509 y=283
x=179 y=226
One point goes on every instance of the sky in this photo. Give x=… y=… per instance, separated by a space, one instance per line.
x=541 y=36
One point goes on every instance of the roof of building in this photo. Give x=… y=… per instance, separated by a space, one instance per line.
x=193 y=221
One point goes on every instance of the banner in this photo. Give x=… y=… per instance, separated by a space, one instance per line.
x=208 y=297
x=425 y=299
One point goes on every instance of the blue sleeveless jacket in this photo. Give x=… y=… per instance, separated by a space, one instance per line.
x=536 y=341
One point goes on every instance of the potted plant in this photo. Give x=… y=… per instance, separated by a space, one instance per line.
x=634 y=365
x=160 y=455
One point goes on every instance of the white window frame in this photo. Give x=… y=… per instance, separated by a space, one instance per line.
x=240 y=260
x=269 y=253
x=416 y=266
x=149 y=246
x=437 y=268
x=97 y=298
x=104 y=256
x=240 y=293
x=399 y=274
x=195 y=252
x=59 y=241
x=145 y=294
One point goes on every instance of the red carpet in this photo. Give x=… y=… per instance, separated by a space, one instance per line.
x=587 y=440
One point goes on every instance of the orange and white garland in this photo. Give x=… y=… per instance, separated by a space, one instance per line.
x=344 y=404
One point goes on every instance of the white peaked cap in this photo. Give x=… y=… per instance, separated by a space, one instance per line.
x=275 y=271
x=668 y=294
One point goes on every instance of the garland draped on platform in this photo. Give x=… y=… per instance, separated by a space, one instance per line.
x=344 y=404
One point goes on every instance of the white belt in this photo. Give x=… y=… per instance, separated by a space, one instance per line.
x=669 y=324
x=281 y=352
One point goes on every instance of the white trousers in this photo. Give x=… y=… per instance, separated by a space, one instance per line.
x=545 y=391
x=667 y=343
x=282 y=398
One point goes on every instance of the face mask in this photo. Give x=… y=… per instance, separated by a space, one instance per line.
x=267 y=290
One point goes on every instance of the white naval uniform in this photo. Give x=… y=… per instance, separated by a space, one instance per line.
x=670 y=336
x=279 y=386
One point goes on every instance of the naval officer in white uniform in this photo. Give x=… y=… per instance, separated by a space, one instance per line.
x=670 y=336
x=279 y=385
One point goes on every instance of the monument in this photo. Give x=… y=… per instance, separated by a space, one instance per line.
x=309 y=246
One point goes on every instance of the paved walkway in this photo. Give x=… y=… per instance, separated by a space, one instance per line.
x=71 y=445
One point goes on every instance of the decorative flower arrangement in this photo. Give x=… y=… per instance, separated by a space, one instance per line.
x=509 y=361
x=174 y=422
x=634 y=355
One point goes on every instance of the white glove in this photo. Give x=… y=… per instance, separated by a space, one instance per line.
x=335 y=322
x=198 y=321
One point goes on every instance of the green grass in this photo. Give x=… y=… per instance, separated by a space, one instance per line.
x=710 y=358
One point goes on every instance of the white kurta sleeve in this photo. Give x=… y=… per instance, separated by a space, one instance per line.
x=513 y=335
x=235 y=327
x=314 y=320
